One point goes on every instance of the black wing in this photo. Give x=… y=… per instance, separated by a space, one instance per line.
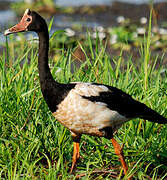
x=125 y=105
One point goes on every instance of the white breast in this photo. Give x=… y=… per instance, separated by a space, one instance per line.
x=83 y=116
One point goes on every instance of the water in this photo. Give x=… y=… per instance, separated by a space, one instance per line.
x=141 y=1
x=82 y=2
x=100 y=2
x=6 y=16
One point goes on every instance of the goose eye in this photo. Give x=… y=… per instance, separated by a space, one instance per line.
x=28 y=19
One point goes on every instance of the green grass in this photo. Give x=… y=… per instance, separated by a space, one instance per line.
x=33 y=145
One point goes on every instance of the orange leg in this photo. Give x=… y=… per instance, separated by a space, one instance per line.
x=119 y=153
x=75 y=155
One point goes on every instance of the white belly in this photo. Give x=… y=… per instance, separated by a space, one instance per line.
x=85 y=117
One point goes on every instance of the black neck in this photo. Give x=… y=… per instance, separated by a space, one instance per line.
x=53 y=92
x=44 y=71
